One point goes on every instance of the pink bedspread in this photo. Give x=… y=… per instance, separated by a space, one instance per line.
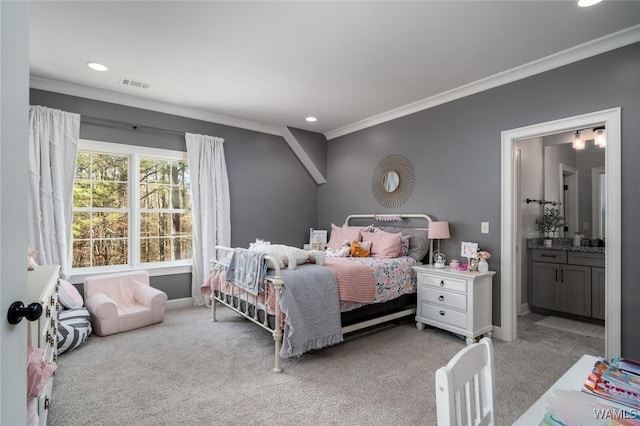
x=356 y=282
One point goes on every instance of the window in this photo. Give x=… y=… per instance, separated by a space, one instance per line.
x=165 y=210
x=131 y=208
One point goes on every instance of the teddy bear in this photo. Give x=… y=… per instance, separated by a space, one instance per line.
x=360 y=249
x=343 y=251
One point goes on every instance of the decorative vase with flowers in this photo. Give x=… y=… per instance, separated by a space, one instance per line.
x=483 y=265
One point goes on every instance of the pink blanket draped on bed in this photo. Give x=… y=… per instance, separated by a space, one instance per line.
x=356 y=282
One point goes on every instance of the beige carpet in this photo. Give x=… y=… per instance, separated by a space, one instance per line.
x=189 y=370
x=572 y=326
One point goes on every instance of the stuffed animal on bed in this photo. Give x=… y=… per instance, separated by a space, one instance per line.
x=360 y=248
x=343 y=251
x=287 y=255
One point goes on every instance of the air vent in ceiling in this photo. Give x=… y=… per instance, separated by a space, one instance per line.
x=129 y=82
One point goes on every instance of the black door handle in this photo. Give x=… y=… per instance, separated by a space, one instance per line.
x=17 y=311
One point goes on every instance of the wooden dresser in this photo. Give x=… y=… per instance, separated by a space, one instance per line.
x=43 y=284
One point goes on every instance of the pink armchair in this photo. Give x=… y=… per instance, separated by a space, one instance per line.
x=122 y=302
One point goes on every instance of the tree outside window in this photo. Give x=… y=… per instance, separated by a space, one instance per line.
x=108 y=229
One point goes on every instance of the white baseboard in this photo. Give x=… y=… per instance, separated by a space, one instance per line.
x=497 y=332
x=185 y=302
x=524 y=309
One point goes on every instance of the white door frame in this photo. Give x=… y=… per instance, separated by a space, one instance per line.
x=14 y=137
x=611 y=119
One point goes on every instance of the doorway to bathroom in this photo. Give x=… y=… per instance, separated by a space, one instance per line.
x=511 y=242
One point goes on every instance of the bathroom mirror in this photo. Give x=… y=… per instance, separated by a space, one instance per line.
x=576 y=179
x=392 y=181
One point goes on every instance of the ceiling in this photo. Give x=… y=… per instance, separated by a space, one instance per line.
x=265 y=65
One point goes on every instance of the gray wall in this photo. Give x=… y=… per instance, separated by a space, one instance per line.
x=455 y=151
x=272 y=195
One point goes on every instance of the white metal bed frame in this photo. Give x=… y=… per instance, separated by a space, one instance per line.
x=234 y=301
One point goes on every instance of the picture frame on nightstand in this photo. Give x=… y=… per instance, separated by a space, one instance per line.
x=317 y=239
x=468 y=249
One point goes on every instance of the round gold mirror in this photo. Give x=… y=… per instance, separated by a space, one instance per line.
x=392 y=181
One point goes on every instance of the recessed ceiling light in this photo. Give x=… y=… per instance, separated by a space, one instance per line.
x=96 y=66
x=311 y=119
x=587 y=3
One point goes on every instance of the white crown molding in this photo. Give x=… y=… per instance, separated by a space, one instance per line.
x=583 y=51
x=302 y=155
x=137 y=102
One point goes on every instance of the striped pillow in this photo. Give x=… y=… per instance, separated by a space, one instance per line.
x=74 y=326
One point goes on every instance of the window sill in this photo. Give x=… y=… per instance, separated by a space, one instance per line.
x=78 y=277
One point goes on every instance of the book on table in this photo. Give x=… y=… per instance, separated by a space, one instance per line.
x=617 y=380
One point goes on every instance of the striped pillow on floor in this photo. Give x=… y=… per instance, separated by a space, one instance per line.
x=74 y=326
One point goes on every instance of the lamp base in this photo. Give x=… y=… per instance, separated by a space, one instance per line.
x=438 y=265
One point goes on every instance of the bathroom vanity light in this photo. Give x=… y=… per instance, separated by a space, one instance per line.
x=578 y=142
x=600 y=136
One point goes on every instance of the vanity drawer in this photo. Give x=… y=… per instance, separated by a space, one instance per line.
x=445 y=283
x=551 y=256
x=586 y=259
x=444 y=315
x=444 y=298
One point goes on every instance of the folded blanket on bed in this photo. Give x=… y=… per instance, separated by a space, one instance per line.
x=309 y=300
x=247 y=269
x=356 y=281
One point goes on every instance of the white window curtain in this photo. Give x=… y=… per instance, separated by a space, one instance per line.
x=211 y=212
x=53 y=145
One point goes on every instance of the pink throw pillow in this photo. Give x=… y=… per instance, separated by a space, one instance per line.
x=383 y=244
x=340 y=234
x=69 y=296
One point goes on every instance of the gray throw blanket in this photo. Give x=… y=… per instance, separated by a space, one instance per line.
x=247 y=269
x=309 y=299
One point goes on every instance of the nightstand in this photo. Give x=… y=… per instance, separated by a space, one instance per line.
x=456 y=301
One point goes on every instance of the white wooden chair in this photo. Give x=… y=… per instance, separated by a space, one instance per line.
x=465 y=388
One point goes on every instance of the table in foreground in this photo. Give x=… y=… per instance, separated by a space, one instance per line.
x=572 y=382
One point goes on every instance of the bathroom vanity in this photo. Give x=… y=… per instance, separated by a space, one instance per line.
x=568 y=280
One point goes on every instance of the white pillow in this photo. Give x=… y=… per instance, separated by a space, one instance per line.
x=69 y=296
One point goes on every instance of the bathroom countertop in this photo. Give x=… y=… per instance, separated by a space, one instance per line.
x=565 y=244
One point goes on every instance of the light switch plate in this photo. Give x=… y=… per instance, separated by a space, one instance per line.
x=484 y=227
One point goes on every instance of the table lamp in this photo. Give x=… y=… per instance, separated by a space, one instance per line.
x=439 y=231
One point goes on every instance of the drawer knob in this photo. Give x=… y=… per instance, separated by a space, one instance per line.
x=441 y=298
x=441 y=283
x=47 y=403
x=442 y=313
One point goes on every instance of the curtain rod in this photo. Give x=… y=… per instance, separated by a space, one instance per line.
x=115 y=123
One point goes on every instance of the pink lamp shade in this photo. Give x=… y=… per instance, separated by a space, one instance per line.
x=439 y=230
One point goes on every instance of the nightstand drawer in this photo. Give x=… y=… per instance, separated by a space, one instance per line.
x=444 y=315
x=446 y=283
x=444 y=298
